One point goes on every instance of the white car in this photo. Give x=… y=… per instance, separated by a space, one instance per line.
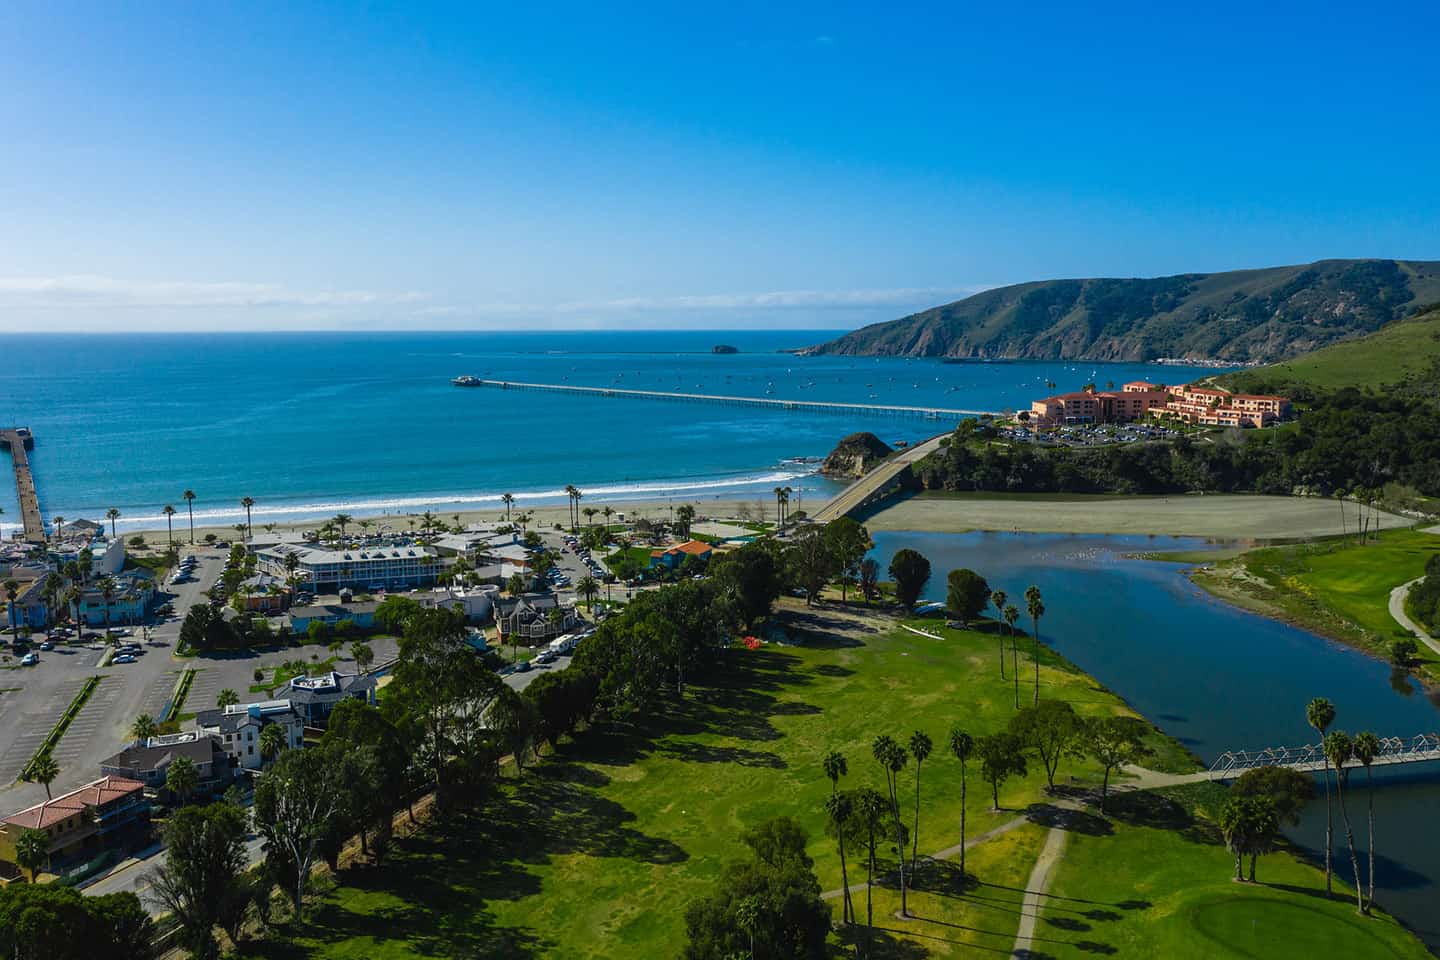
x=29 y=660
x=124 y=658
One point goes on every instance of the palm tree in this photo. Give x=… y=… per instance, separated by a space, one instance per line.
x=962 y=745
x=998 y=597
x=43 y=770
x=59 y=523
x=341 y=519
x=1340 y=750
x=840 y=808
x=747 y=918
x=835 y=767
x=54 y=584
x=248 y=503
x=1012 y=613
x=1036 y=608
x=871 y=807
x=590 y=515
x=1320 y=713
x=920 y=747
x=169 y=512
x=1366 y=747
x=607 y=512
x=32 y=851
x=509 y=500
x=272 y=741
x=12 y=592
x=108 y=589
x=182 y=778
x=575 y=514
x=779 y=508
x=112 y=515
x=226 y=698
x=892 y=758
x=189 y=497
x=588 y=588
x=143 y=728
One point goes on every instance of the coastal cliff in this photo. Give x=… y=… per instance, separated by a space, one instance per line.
x=1241 y=316
x=854 y=456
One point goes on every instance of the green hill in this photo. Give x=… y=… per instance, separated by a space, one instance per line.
x=1242 y=316
x=1401 y=351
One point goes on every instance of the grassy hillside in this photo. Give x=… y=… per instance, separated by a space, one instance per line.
x=1243 y=316
x=1401 y=351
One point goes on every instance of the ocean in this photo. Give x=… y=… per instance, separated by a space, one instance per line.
x=310 y=425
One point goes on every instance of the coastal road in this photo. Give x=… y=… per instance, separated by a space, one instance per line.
x=876 y=480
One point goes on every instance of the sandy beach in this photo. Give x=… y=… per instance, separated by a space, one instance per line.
x=1229 y=517
x=726 y=507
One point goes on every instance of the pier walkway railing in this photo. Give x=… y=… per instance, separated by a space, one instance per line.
x=878 y=483
x=1310 y=758
x=771 y=403
x=19 y=440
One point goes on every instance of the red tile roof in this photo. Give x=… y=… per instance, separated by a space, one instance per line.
x=694 y=547
x=95 y=794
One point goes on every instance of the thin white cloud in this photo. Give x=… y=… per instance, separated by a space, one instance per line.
x=100 y=292
x=776 y=300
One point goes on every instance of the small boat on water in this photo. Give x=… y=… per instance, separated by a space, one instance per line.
x=468 y=381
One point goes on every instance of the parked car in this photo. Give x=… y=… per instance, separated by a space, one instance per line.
x=47 y=645
x=124 y=658
x=29 y=660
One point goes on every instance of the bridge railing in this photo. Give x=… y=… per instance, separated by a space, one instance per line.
x=1310 y=756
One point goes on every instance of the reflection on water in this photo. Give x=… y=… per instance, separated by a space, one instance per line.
x=1214 y=677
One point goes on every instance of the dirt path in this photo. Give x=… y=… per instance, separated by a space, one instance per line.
x=1397 y=610
x=1037 y=888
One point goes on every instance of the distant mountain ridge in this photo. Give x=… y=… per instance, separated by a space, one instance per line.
x=1239 y=316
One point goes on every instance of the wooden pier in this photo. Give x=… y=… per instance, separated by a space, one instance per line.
x=806 y=406
x=19 y=440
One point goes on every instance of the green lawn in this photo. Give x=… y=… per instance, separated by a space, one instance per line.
x=1175 y=896
x=599 y=849
x=1336 y=587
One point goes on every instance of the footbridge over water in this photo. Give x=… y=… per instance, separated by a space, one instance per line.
x=879 y=483
x=1310 y=758
x=19 y=441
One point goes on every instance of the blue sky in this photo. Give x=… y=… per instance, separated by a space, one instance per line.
x=311 y=166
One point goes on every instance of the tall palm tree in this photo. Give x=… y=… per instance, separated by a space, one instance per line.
x=840 y=807
x=1012 y=613
x=962 y=745
x=607 y=512
x=1366 y=747
x=169 y=512
x=1340 y=750
x=248 y=503
x=112 y=515
x=787 y=491
x=189 y=498
x=589 y=588
x=1036 y=608
x=1320 y=713
x=575 y=497
x=998 y=597
x=108 y=589
x=341 y=519
x=892 y=759
x=871 y=807
x=920 y=747
x=590 y=513
x=12 y=592
x=509 y=500
x=59 y=522
x=54 y=585
x=43 y=770
x=779 y=508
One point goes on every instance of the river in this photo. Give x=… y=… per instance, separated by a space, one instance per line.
x=1217 y=678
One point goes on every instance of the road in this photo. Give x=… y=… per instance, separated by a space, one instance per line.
x=876 y=480
x=1397 y=610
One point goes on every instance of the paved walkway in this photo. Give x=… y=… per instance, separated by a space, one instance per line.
x=945 y=854
x=1397 y=610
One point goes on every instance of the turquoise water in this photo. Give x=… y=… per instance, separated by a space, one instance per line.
x=1217 y=678
x=313 y=424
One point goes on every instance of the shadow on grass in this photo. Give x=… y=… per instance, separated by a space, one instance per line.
x=1073 y=821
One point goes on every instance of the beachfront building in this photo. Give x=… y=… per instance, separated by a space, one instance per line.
x=237 y=727
x=313 y=698
x=532 y=617
x=396 y=566
x=110 y=813
x=1140 y=398
x=147 y=763
x=30 y=607
x=1133 y=402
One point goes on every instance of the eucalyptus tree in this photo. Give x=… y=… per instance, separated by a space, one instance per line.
x=1320 y=713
